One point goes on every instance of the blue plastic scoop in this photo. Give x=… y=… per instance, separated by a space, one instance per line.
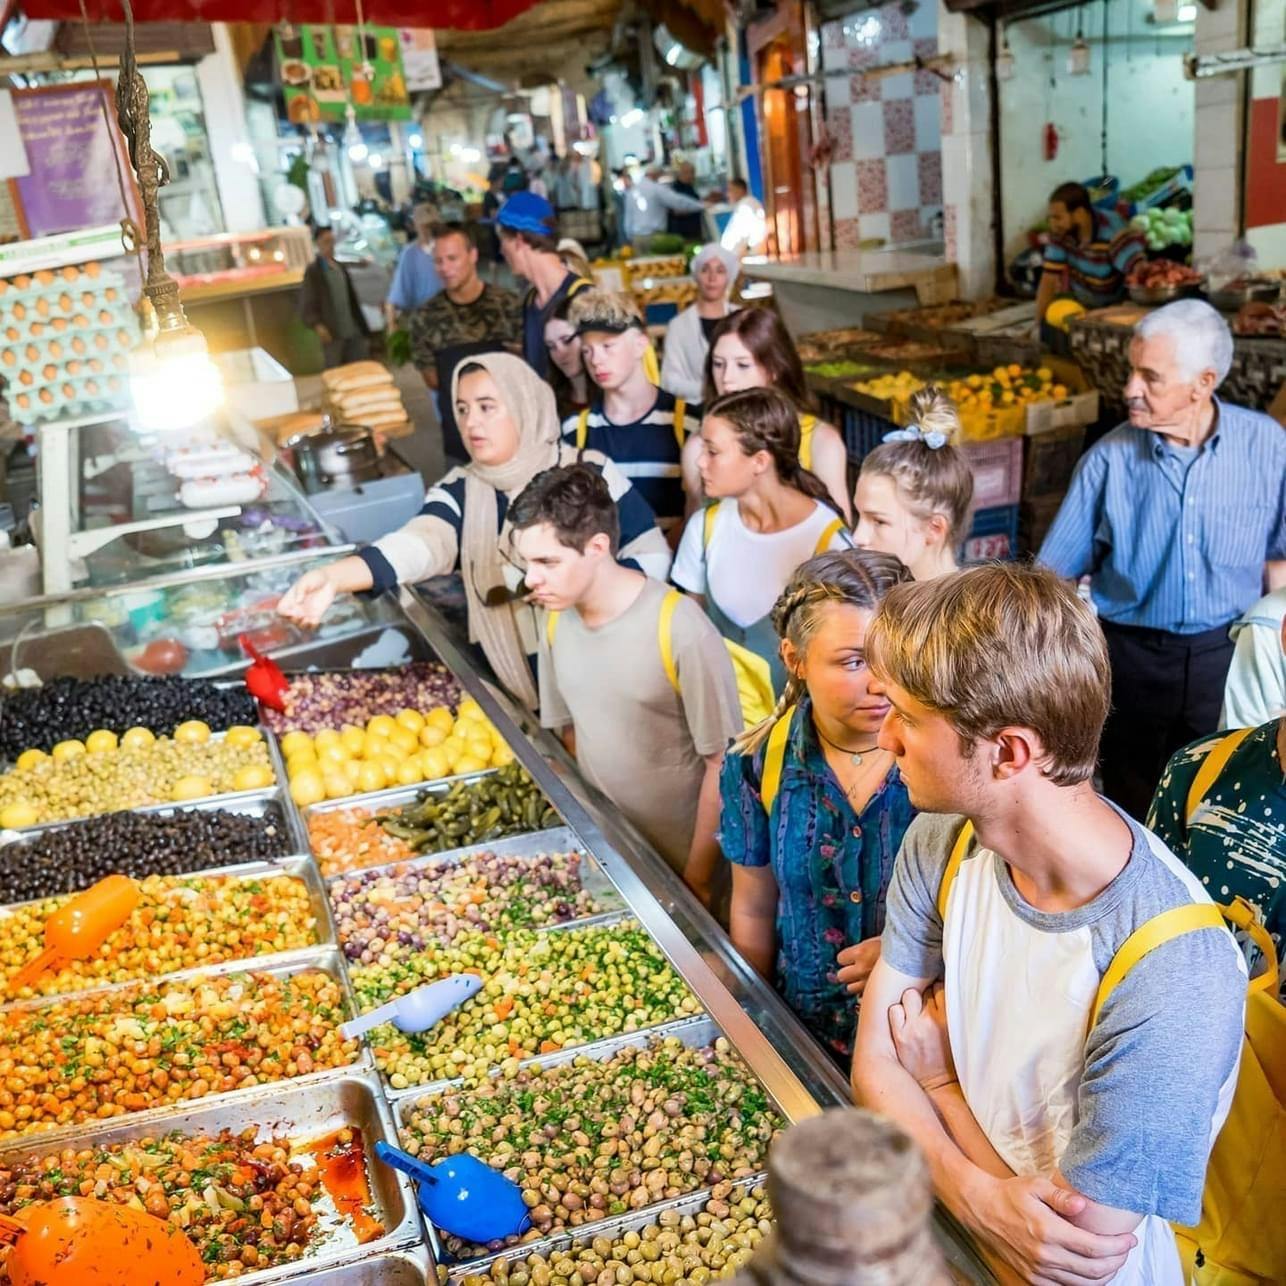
x=418 y=1010
x=463 y=1195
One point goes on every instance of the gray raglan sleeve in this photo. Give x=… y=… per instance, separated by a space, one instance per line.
x=912 y=939
x=1165 y=1044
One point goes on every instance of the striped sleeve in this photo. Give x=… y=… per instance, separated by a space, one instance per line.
x=1128 y=246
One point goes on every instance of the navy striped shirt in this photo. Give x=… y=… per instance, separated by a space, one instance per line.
x=647 y=452
x=1175 y=539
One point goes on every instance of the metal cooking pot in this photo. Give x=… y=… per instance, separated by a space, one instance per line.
x=345 y=456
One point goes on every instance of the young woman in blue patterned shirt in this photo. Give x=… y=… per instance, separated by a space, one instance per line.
x=813 y=811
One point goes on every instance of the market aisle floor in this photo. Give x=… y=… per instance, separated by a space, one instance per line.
x=423 y=449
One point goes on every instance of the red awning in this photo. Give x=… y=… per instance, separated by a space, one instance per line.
x=459 y=15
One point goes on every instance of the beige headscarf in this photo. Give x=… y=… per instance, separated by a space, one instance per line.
x=530 y=403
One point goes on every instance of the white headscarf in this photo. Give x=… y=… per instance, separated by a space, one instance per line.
x=713 y=250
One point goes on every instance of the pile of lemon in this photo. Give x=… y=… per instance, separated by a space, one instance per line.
x=896 y=386
x=392 y=750
x=1011 y=385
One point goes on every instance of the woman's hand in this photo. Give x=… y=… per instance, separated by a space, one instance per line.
x=308 y=599
x=919 y=1029
x=856 y=963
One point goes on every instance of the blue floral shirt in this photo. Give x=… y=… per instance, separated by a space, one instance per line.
x=832 y=868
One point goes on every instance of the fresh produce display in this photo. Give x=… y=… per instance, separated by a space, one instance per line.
x=245 y=1204
x=401 y=751
x=541 y=992
x=66 y=709
x=178 y=923
x=1011 y=385
x=1161 y=228
x=1149 y=184
x=589 y=1140
x=823 y=342
x=1156 y=274
x=72 y=857
x=104 y=773
x=840 y=370
x=506 y=803
x=905 y=350
x=677 y=1250
x=109 y=1053
x=940 y=316
x=349 y=839
x=391 y=913
x=894 y=386
x=317 y=701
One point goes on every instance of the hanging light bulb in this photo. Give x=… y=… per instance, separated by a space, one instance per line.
x=173 y=382
x=1078 y=56
x=353 y=141
x=1004 y=57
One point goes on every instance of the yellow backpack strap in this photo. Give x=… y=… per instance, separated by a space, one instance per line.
x=707 y=524
x=959 y=851
x=774 y=758
x=1211 y=766
x=582 y=429
x=1243 y=915
x=807 y=423
x=581 y=283
x=833 y=528
x=551 y=627
x=1148 y=936
x=680 y=411
x=665 y=636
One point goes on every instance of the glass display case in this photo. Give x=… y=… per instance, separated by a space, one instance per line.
x=116 y=508
x=206 y=267
x=726 y=998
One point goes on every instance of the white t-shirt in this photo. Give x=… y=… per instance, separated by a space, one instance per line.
x=744 y=571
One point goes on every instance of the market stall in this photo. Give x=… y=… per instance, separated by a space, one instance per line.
x=605 y=989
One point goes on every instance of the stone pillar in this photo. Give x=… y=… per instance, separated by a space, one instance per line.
x=852 y=1206
x=968 y=181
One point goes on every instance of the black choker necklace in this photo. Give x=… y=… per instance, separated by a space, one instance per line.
x=855 y=755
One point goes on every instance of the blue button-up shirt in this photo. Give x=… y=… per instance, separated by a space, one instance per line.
x=416 y=280
x=832 y=867
x=1175 y=540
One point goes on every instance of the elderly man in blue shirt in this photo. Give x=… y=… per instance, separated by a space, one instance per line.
x=416 y=280
x=1173 y=516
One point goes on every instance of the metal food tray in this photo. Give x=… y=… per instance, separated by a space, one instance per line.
x=693 y=1032
x=693 y=1204
x=225 y=800
x=327 y=959
x=557 y=839
x=298 y=867
x=299 y=1113
x=410 y=1266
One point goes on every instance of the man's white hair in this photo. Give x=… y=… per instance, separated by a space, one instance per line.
x=1201 y=338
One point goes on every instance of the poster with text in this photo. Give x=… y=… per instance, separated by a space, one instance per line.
x=420 y=59
x=70 y=183
x=325 y=68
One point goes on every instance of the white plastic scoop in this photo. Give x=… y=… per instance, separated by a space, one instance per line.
x=418 y=1010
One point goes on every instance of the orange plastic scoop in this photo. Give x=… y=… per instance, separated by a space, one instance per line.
x=78 y=1241
x=77 y=930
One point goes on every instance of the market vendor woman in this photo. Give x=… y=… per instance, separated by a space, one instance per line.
x=812 y=810
x=1090 y=252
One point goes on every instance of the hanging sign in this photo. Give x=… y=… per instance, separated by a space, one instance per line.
x=420 y=59
x=324 y=68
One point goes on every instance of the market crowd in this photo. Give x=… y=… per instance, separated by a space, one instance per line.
x=954 y=793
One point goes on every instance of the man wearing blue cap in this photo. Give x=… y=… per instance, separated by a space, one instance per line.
x=528 y=240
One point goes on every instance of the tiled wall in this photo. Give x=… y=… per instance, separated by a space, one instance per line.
x=886 y=158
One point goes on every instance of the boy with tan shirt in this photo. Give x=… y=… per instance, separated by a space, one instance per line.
x=634 y=669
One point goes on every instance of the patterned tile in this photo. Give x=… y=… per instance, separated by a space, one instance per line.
x=925 y=81
x=899 y=127
x=872 y=186
x=844 y=204
x=846 y=234
x=951 y=233
x=839 y=125
x=893 y=20
x=930 y=166
x=833 y=35
x=859 y=59
x=904 y=225
x=865 y=89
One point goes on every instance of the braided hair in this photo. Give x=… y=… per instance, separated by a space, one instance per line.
x=855 y=577
x=764 y=419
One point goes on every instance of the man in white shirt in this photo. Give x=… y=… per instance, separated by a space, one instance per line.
x=1066 y=1126
x=648 y=203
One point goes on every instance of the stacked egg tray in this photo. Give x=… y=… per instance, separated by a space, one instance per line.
x=577 y=1000
x=65 y=336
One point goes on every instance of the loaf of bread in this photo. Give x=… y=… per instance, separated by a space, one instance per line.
x=356 y=375
x=367 y=399
x=281 y=428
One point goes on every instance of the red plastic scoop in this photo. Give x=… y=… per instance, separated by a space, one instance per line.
x=264 y=679
x=78 y=1241
x=77 y=930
